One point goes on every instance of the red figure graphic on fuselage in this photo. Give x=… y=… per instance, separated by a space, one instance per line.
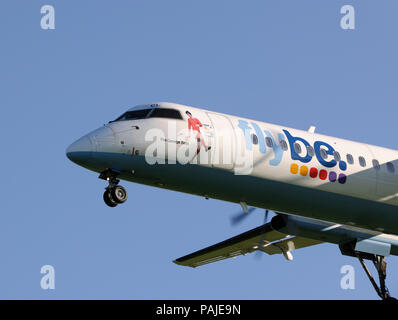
x=194 y=124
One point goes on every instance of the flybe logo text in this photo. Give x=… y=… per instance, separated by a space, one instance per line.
x=319 y=148
x=259 y=139
x=323 y=151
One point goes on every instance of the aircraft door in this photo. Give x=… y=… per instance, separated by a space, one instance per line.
x=224 y=142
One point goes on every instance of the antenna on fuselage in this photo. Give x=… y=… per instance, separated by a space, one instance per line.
x=311 y=129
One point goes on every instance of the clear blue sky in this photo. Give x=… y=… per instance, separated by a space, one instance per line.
x=284 y=62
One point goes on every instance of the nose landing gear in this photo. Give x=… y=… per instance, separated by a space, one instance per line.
x=114 y=194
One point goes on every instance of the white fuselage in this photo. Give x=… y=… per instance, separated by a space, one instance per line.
x=262 y=164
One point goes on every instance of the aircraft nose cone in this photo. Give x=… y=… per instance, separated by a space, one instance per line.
x=80 y=151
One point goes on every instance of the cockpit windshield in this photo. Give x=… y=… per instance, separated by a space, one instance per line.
x=134 y=115
x=150 y=113
x=166 y=113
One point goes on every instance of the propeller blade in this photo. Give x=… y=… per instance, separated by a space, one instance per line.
x=241 y=216
x=266 y=216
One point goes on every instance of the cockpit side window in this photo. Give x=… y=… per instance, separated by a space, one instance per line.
x=166 y=113
x=134 y=115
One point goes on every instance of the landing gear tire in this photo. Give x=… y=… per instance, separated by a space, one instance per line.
x=118 y=194
x=109 y=200
x=114 y=194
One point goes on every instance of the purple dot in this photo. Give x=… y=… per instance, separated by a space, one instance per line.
x=332 y=176
x=342 y=178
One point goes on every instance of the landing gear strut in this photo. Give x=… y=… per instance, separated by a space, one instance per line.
x=114 y=194
x=381 y=267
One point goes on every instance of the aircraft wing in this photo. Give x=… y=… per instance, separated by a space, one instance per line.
x=262 y=238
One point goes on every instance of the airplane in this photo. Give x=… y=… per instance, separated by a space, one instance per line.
x=321 y=188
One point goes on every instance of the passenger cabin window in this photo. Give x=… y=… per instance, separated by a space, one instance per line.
x=310 y=151
x=350 y=159
x=283 y=145
x=376 y=164
x=390 y=167
x=297 y=148
x=134 y=115
x=166 y=113
x=362 y=161
x=268 y=142
x=254 y=139
x=337 y=156
x=324 y=155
